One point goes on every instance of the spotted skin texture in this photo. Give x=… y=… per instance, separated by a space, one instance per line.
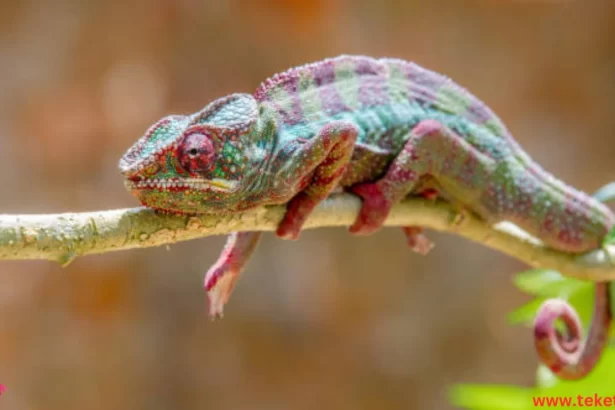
x=383 y=129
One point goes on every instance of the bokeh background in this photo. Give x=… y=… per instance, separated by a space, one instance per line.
x=330 y=321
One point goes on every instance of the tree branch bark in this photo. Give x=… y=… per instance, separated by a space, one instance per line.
x=63 y=237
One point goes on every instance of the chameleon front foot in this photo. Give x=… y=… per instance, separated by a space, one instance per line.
x=219 y=284
x=297 y=212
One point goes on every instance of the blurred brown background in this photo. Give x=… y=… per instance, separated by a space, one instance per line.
x=329 y=322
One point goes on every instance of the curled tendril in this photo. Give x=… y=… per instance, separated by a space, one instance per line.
x=565 y=354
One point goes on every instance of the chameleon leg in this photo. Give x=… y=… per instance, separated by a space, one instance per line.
x=330 y=151
x=420 y=157
x=221 y=278
x=566 y=356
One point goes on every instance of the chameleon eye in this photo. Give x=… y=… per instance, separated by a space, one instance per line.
x=196 y=153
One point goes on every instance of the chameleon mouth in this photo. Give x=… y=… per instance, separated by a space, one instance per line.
x=177 y=184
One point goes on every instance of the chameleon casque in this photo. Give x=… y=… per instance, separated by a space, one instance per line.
x=382 y=129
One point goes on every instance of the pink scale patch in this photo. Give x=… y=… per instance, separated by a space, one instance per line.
x=324 y=77
x=479 y=113
x=372 y=83
x=423 y=83
x=295 y=115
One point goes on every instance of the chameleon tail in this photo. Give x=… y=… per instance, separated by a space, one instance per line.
x=563 y=217
x=566 y=355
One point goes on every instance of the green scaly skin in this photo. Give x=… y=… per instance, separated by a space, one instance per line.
x=383 y=130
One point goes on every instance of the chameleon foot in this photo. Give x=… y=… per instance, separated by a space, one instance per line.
x=297 y=212
x=417 y=241
x=221 y=278
x=374 y=210
x=219 y=283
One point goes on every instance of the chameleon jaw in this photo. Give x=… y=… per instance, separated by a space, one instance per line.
x=181 y=184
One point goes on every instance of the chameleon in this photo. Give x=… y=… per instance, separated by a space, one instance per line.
x=382 y=129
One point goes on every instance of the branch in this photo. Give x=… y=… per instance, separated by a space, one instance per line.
x=63 y=237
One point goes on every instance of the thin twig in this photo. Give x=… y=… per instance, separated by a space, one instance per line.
x=63 y=237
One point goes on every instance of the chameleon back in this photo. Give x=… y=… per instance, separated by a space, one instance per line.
x=321 y=91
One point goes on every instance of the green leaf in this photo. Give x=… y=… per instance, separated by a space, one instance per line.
x=606 y=193
x=580 y=297
x=545 y=378
x=533 y=281
x=486 y=397
x=609 y=239
x=526 y=313
x=547 y=283
x=583 y=302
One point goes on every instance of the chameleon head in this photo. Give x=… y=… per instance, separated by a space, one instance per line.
x=194 y=164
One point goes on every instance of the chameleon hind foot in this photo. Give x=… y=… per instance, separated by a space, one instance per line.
x=221 y=278
x=374 y=209
x=416 y=239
